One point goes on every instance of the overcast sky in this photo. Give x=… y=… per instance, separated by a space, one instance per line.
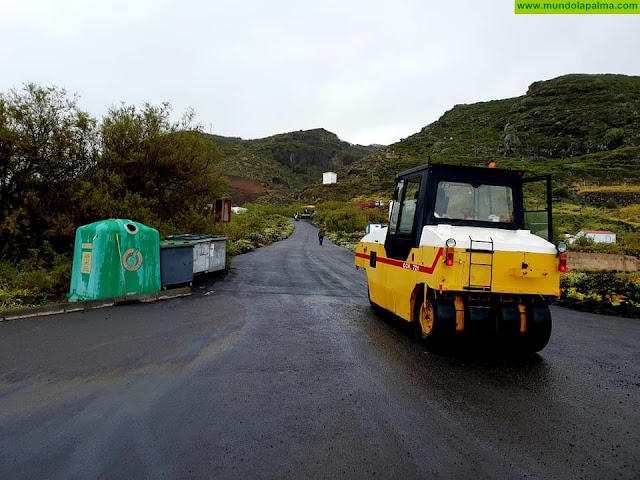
x=369 y=71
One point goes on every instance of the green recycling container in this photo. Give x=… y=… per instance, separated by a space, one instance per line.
x=113 y=258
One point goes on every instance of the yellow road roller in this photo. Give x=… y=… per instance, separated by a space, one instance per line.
x=467 y=253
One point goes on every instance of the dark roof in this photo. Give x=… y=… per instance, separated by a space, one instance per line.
x=463 y=170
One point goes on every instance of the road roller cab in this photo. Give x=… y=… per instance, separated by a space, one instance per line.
x=467 y=252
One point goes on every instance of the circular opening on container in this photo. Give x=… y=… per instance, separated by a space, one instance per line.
x=131 y=228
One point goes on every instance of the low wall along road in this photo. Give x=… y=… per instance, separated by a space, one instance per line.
x=600 y=261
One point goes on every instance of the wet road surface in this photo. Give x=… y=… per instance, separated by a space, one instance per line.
x=284 y=371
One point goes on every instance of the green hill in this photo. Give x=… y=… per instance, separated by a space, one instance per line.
x=583 y=129
x=286 y=162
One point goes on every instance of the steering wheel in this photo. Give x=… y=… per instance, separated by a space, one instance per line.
x=468 y=212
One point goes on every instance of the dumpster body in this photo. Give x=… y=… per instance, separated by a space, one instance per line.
x=209 y=251
x=176 y=263
x=113 y=258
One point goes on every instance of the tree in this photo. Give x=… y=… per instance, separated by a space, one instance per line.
x=168 y=164
x=46 y=142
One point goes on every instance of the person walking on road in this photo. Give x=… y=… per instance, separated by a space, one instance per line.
x=321 y=233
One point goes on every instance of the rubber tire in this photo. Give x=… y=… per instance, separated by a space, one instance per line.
x=538 y=328
x=444 y=325
x=417 y=328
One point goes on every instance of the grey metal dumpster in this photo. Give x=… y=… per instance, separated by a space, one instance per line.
x=176 y=263
x=209 y=251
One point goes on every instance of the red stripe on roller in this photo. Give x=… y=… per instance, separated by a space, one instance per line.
x=406 y=265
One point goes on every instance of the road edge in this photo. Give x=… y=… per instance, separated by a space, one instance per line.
x=93 y=304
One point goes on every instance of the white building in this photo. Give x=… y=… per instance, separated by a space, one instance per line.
x=329 y=177
x=598 y=236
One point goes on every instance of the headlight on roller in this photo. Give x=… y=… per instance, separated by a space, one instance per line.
x=451 y=243
x=561 y=247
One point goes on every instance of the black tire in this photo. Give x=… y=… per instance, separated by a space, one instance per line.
x=538 y=328
x=433 y=322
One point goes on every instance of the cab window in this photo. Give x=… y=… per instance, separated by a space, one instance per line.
x=395 y=210
x=464 y=201
x=409 y=204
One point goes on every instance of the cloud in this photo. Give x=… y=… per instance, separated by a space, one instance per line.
x=372 y=72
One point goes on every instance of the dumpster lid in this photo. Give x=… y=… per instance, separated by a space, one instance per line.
x=189 y=237
x=170 y=244
x=192 y=238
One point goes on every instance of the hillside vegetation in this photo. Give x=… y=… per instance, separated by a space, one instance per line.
x=60 y=169
x=582 y=129
x=287 y=162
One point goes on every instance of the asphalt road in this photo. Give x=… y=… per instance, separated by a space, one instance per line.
x=282 y=370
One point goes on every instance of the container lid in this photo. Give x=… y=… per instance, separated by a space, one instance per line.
x=165 y=244
x=192 y=238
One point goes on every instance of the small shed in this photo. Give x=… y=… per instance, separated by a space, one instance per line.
x=329 y=177
x=598 y=236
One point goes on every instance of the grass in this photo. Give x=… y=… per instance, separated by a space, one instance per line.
x=609 y=188
x=287 y=162
x=346 y=223
x=259 y=226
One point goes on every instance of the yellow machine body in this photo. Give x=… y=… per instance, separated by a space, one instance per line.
x=393 y=283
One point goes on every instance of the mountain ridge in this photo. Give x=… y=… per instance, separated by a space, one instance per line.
x=581 y=128
x=285 y=162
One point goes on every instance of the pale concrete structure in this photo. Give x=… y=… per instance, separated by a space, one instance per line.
x=598 y=236
x=601 y=261
x=329 y=177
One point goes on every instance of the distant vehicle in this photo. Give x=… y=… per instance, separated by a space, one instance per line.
x=467 y=254
x=371 y=204
x=308 y=211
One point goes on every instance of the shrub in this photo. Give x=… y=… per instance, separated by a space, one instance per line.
x=561 y=192
x=583 y=241
x=613 y=138
x=618 y=293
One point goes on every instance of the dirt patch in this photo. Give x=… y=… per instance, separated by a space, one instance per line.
x=245 y=190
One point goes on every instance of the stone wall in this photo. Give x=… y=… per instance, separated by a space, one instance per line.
x=601 y=198
x=600 y=261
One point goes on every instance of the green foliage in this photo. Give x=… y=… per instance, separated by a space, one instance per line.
x=570 y=127
x=604 y=291
x=259 y=226
x=628 y=247
x=46 y=144
x=613 y=138
x=583 y=241
x=61 y=169
x=560 y=192
x=338 y=216
x=287 y=161
x=41 y=277
x=346 y=223
x=582 y=129
x=237 y=247
x=160 y=161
